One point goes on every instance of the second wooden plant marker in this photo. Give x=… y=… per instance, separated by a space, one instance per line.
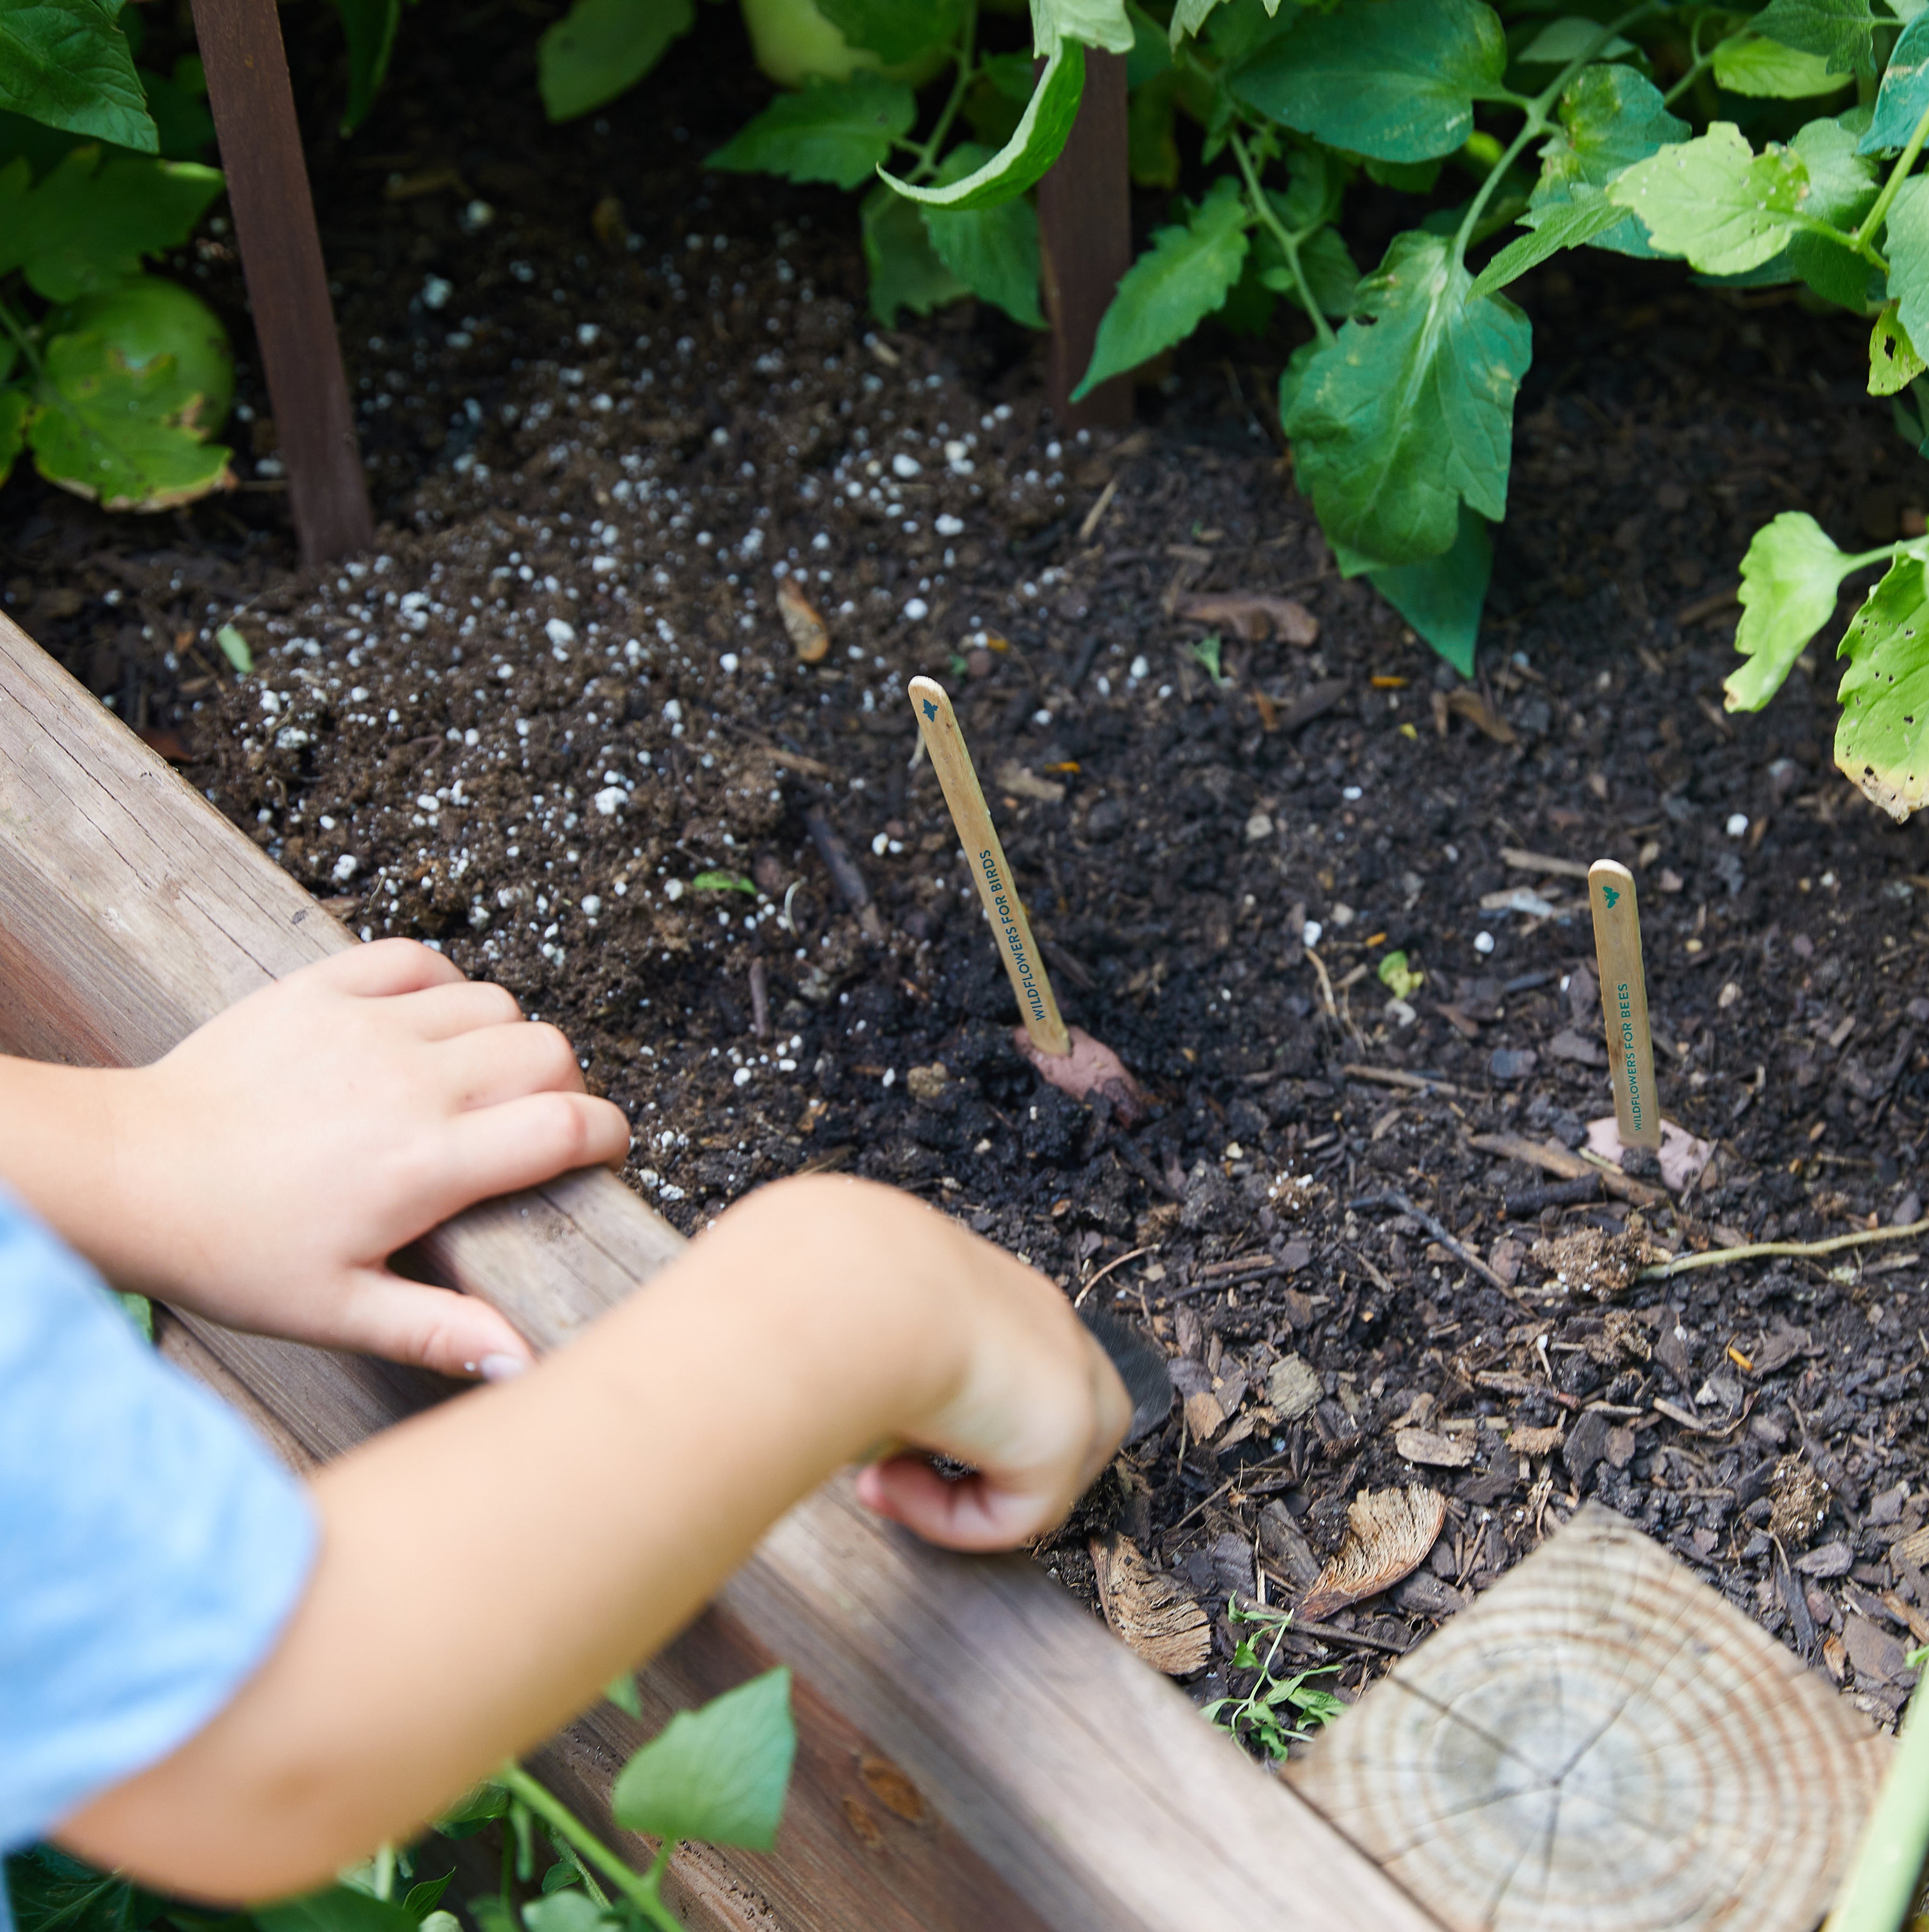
x=1068 y=1057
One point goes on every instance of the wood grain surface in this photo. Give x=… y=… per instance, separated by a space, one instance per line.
x=1604 y=1745
x=1056 y=1781
x=253 y=110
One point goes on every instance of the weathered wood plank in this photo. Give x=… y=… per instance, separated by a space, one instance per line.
x=1068 y=1787
x=1603 y=1744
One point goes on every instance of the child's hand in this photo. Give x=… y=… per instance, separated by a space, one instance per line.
x=265 y=1169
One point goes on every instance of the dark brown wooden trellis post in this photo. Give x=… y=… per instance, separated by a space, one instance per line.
x=254 y=108
x=1084 y=223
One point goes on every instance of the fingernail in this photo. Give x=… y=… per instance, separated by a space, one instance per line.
x=502 y=1368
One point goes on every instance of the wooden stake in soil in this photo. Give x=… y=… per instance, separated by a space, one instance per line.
x=972 y=817
x=1624 y=1002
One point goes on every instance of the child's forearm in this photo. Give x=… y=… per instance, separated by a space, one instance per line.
x=60 y=1136
x=486 y=1567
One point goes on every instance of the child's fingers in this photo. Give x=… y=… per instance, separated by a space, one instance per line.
x=525 y=1142
x=974 y=1513
x=433 y=1328
x=500 y=1063
x=385 y=967
x=442 y=1012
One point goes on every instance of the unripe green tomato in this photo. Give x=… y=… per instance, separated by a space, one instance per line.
x=794 y=43
x=146 y=316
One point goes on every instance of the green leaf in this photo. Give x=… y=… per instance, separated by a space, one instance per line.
x=1442 y=597
x=1151 y=55
x=1715 y=200
x=1882 y=739
x=838 y=131
x=369 y=27
x=894 y=30
x=1403 y=981
x=15 y=407
x=1206 y=653
x=1842 y=32
x=1893 y=362
x=339 y=1908
x=1173 y=286
x=1330 y=273
x=1396 y=79
x=86 y=226
x=181 y=119
x=1034 y=145
x=474 y=1813
x=1610 y=118
x=905 y=271
x=993 y=251
x=570 y=1911
x=1904 y=97
x=234 y=648
x=1151 y=144
x=1411 y=409
x=621 y=1691
x=112 y=434
x=1094 y=23
x=1560 y=225
x=718 y=1774
x=139 y=1311
x=1842 y=182
x=1906 y=243
x=1562 y=40
x=54 y=1893
x=1790 y=579
x=1316 y=181
x=600 y=48
x=722 y=882
x=422 y=1899
x=65 y=64
x=1747 y=64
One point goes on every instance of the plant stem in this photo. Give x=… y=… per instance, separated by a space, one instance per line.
x=1698 y=64
x=1889 y=1860
x=927 y=164
x=22 y=341
x=1721 y=1257
x=1906 y=159
x=1289 y=243
x=643 y=1889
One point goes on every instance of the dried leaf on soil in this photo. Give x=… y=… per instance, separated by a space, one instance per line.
x=1388 y=1534
x=1252 y=616
x=1149 y=1612
x=1436 y=1451
x=810 y=637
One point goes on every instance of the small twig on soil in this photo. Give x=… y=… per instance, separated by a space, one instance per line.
x=1555 y=1194
x=1118 y=1262
x=1753 y=1250
x=1387 y=1076
x=1456 y=1247
x=1095 y=514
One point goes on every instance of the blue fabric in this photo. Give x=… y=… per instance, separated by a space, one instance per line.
x=151 y=1548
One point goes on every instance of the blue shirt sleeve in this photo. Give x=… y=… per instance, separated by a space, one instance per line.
x=151 y=1548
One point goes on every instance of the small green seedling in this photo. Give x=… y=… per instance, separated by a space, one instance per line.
x=1207 y=652
x=1277 y=1711
x=722 y=882
x=1399 y=979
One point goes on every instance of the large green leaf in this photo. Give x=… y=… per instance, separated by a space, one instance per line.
x=1790 y=579
x=600 y=48
x=719 y=1774
x=115 y=434
x=1749 y=64
x=51 y=1892
x=1894 y=363
x=1443 y=597
x=1882 y=739
x=1093 y=23
x=65 y=64
x=1904 y=98
x=993 y=251
x=1396 y=79
x=894 y=30
x=1034 y=145
x=1842 y=32
x=86 y=226
x=1561 y=225
x=369 y=27
x=1173 y=286
x=1568 y=39
x=1610 y=118
x=1905 y=241
x=838 y=131
x=1412 y=408
x=906 y=271
x=338 y=1908
x=1716 y=201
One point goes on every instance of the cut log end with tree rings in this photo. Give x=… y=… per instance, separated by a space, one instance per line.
x=1149 y=1612
x=1606 y=1745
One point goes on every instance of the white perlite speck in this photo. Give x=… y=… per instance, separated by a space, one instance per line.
x=559 y=633
x=610 y=800
x=345 y=868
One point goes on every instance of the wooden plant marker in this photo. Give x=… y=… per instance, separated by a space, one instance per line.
x=1637 y=1119
x=1603 y=1743
x=254 y=108
x=1037 y=1004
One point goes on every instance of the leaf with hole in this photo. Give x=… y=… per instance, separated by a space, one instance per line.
x=718 y=1774
x=1410 y=410
x=1396 y=79
x=1790 y=580
x=1171 y=288
x=838 y=131
x=1893 y=362
x=67 y=64
x=1881 y=740
x=1035 y=144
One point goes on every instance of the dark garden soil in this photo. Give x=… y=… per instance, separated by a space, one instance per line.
x=562 y=705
